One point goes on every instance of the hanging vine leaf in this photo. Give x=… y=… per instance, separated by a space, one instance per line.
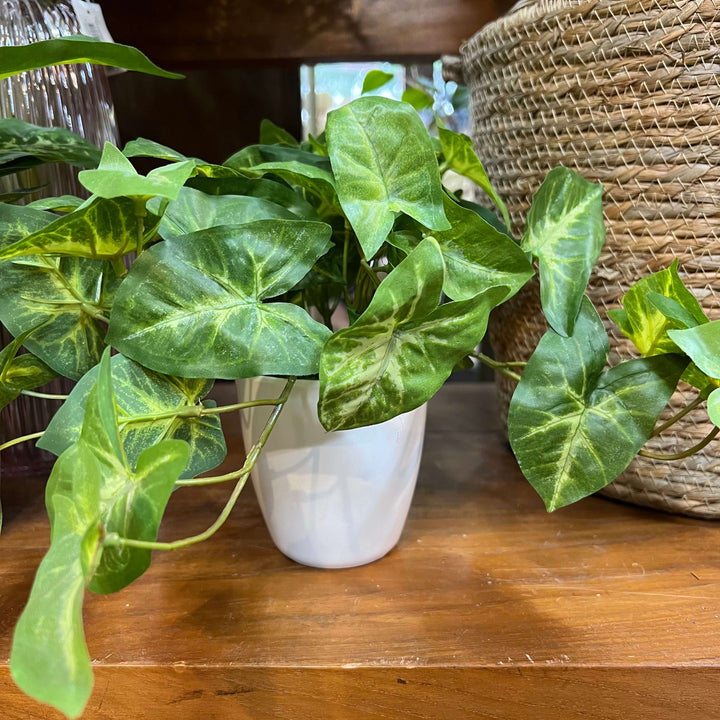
x=141 y=393
x=90 y=488
x=203 y=295
x=574 y=428
x=402 y=348
x=384 y=163
x=565 y=232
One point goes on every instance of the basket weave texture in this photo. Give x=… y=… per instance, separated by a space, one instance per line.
x=626 y=92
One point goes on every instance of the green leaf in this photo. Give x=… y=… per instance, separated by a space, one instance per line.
x=384 y=163
x=271 y=134
x=460 y=156
x=375 y=79
x=141 y=393
x=702 y=345
x=116 y=177
x=137 y=515
x=575 y=428
x=21 y=372
x=62 y=204
x=713 y=407
x=477 y=256
x=402 y=348
x=419 y=99
x=141 y=147
x=49 y=658
x=253 y=155
x=101 y=229
x=194 y=210
x=23 y=145
x=64 y=296
x=486 y=214
x=203 y=295
x=647 y=324
x=565 y=232
x=262 y=188
x=75 y=49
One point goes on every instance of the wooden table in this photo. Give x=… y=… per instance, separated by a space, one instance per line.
x=488 y=607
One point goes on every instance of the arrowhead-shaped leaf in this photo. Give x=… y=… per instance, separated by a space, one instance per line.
x=141 y=393
x=62 y=295
x=477 y=256
x=24 y=145
x=90 y=487
x=75 y=49
x=101 y=229
x=116 y=177
x=575 y=428
x=565 y=232
x=203 y=295
x=384 y=163
x=193 y=210
x=20 y=372
x=460 y=156
x=402 y=348
x=646 y=318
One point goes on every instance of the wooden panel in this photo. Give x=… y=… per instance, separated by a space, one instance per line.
x=488 y=608
x=181 y=33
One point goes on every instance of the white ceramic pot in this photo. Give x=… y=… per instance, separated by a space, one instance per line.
x=331 y=500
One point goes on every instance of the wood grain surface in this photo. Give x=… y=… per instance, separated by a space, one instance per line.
x=188 y=33
x=488 y=608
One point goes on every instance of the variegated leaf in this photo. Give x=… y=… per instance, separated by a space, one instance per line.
x=204 y=295
x=565 y=232
x=384 y=164
x=100 y=229
x=574 y=428
x=65 y=296
x=477 y=256
x=141 y=394
x=402 y=348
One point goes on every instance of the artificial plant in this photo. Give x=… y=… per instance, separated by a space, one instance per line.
x=342 y=257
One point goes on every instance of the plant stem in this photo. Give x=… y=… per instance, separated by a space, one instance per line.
x=668 y=423
x=686 y=453
x=501 y=367
x=195 y=411
x=24 y=438
x=115 y=540
x=43 y=396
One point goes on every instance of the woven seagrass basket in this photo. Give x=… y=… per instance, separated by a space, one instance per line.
x=626 y=92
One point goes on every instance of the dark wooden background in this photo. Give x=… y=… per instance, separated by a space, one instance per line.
x=241 y=58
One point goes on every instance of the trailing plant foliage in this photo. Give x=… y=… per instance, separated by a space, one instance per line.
x=342 y=257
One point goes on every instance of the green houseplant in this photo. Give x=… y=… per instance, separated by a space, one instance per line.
x=242 y=269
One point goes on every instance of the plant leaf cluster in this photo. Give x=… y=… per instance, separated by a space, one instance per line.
x=342 y=257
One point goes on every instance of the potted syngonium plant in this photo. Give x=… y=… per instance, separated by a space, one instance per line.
x=338 y=271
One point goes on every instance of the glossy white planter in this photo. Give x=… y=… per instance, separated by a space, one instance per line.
x=331 y=500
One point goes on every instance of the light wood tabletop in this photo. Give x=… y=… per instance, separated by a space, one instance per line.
x=488 y=607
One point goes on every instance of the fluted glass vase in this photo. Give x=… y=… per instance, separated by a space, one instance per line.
x=76 y=97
